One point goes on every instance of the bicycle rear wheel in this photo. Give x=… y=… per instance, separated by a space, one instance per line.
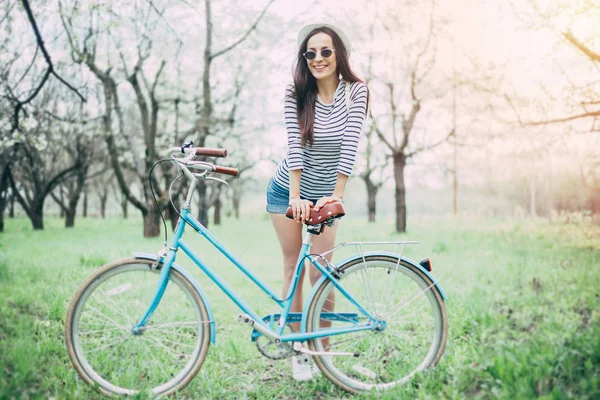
x=98 y=332
x=391 y=290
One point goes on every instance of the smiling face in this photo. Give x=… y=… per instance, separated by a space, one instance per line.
x=320 y=67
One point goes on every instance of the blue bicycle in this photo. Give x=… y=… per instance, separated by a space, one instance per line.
x=143 y=325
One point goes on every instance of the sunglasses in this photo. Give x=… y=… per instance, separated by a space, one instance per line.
x=311 y=55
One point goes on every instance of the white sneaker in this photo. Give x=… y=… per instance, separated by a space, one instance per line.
x=301 y=370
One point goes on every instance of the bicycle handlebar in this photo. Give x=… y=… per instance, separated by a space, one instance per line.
x=206 y=151
x=226 y=170
x=201 y=151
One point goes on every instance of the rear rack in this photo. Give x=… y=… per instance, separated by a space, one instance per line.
x=358 y=246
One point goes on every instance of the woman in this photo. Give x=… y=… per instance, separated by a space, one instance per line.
x=323 y=133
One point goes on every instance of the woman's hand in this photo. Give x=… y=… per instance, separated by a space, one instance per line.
x=301 y=209
x=327 y=199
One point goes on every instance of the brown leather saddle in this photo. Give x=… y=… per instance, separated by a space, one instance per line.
x=328 y=212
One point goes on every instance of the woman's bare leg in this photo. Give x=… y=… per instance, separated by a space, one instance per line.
x=321 y=243
x=289 y=233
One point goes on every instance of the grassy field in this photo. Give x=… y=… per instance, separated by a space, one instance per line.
x=523 y=305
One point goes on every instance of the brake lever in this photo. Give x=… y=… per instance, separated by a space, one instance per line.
x=212 y=178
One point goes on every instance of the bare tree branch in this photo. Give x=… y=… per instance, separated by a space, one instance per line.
x=380 y=134
x=49 y=71
x=433 y=145
x=583 y=48
x=248 y=32
x=160 y=14
x=565 y=119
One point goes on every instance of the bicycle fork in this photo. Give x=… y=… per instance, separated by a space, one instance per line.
x=160 y=290
x=169 y=258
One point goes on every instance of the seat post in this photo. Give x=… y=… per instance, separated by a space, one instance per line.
x=307 y=238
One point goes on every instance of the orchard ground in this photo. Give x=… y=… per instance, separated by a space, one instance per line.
x=523 y=306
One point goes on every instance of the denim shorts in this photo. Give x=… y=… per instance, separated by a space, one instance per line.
x=278 y=198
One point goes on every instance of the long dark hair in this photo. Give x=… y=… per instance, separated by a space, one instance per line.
x=305 y=84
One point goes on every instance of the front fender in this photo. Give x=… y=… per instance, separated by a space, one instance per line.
x=189 y=277
x=359 y=256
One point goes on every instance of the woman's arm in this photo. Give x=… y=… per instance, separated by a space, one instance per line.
x=338 y=192
x=340 y=185
x=295 y=151
x=301 y=208
x=356 y=119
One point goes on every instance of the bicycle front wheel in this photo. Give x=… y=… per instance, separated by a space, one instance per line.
x=393 y=291
x=168 y=352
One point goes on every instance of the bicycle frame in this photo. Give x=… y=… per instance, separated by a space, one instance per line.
x=285 y=304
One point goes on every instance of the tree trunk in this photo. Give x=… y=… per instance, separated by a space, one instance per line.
x=103 y=200
x=70 y=219
x=37 y=215
x=532 y=208
x=34 y=208
x=173 y=216
x=11 y=207
x=202 y=206
x=75 y=194
x=594 y=203
x=235 y=202
x=4 y=187
x=400 y=192
x=217 y=215
x=124 y=203
x=85 y=202
x=151 y=223
x=371 y=196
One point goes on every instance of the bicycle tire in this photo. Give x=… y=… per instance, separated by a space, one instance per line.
x=386 y=367
x=124 y=365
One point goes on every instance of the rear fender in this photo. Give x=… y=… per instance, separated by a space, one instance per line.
x=189 y=277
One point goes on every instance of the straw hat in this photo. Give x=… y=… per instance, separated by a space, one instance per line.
x=309 y=28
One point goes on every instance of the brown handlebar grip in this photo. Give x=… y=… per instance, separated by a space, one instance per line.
x=227 y=170
x=205 y=151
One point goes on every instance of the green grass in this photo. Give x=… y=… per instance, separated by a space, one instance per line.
x=523 y=305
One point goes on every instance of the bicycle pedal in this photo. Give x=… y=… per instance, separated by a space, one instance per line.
x=303 y=359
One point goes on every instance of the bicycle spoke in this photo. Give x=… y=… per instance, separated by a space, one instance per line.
x=157 y=362
x=120 y=340
x=337 y=343
x=106 y=317
x=100 y=331
x=367 y=286
x=178 y=343
x=96 y=321
x=172 y=325
x=108 y=357
x=393 y=311
x=123 y=313
x=406 y=317
x=168 y=350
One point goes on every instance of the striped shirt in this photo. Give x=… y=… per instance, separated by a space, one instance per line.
x=336 y=134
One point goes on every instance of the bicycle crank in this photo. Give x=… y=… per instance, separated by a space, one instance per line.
x=268 y=344
x=246 y=319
